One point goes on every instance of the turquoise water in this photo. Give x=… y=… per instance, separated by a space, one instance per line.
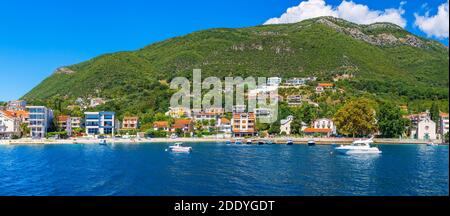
x=220 y=169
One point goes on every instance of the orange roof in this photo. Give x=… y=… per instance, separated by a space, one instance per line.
x=224 y=120
x=22 y=113
x=63 y=118
x=317 y=130
x=238 y=115
x=160 y=124
x=182 y=121
x=249 y=130
x=443 y=114
x=133 y=118
x=8 y=114
x=326 y=84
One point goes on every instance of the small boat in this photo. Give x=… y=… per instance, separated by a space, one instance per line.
x=289 y=142
x=432 y=144
x=238 y=142
x=102 y=142
x=177 y=147
x=358 y=147
x=311 y=142
x=262 y=142
x=228 y=142
x=248 y=142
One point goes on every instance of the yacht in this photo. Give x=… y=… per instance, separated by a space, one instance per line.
x=177 y=147
x=358 y=147
x=311 y=142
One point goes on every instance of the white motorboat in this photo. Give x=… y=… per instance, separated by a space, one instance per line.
x=358 y=147
x=177 y=147
x=432 y=144
x=289 y=142
x=311 y=142
x=102 y=142
x=238 y=141
x=249 y=142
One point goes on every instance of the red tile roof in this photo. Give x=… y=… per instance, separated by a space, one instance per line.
x=160 y=124
x=326 y=84
x=317 y=130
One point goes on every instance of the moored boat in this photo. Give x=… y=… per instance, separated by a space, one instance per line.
x=311 y=142
x=289 y=142
x=249 y=142
x=238 y=141
x=177 y=147
x=358 y=147
x=102 y=142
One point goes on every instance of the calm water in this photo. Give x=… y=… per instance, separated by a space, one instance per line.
x=220 y=169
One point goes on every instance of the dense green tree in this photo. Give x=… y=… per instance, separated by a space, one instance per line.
x=274 y=128
x=390 y=121
x=434 y=112
x=356 y=118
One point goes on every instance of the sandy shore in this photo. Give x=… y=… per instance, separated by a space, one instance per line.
x=280 y=140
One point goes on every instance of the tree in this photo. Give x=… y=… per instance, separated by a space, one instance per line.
x=24 y=129
x=390 y=121
x=296 y=126
x=275 y=128
x=434 y=112
x=356 y=118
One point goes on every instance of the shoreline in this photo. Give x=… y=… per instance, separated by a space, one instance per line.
x=280 y=140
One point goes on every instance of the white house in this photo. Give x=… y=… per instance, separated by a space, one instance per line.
x=443 y=123
x=286 y=125
x=426 y=130
x=40 y=118
x=100 y=123
x=324 y=123
x=273 y=81
x=9 y=124
x=224 y=125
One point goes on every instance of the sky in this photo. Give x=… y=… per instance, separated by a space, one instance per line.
x=36 y=37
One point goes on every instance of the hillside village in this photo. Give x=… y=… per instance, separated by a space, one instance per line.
x=307 y=108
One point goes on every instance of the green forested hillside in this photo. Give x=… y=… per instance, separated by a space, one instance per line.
x=387 y=62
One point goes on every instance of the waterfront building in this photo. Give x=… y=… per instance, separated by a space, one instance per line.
x=244 y=124
x=443 y=119
x=206 y=116
x=321 y=87
x=64 y=123
x=273 y=81
x=224 y=125
x=76 y=122
x=322 y=126
x=16 y=105
x=285 y=125
x=294 y=100
x=416 y=118
x=130 y=122
x=100 y=123
x=426 y=130
x=40 y=118
x=161 y=125
x=9 y=124
x=185 y=125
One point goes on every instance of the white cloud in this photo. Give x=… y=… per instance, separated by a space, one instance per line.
x=436 y=25
x=347 y=10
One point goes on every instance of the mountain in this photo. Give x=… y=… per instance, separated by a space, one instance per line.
x=384 y=59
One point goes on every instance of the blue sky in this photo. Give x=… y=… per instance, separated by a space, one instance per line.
x=36 y=37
